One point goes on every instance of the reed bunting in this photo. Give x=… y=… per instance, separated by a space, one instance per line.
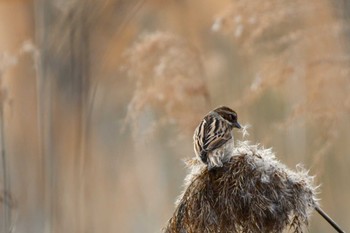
x=213 y=137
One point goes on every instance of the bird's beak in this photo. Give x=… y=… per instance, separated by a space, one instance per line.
x=237 y=125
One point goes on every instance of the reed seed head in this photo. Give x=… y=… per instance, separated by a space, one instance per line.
x=252 y=192
x=170 y=84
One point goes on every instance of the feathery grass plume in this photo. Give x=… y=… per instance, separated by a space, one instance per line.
x=250 y=23
x=169 y=82
x=295 y=43
x=252 y=192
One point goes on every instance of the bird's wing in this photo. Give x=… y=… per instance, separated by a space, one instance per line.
x=216 y=134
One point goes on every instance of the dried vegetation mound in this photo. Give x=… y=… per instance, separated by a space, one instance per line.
x=252 y=192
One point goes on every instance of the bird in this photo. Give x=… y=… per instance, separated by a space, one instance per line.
x=213 y=138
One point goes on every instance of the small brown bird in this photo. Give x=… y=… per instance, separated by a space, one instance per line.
x=213 y=137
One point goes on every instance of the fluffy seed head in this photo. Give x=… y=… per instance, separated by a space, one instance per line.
x=252 y=192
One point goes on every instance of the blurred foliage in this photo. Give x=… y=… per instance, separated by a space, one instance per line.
x=99 y=100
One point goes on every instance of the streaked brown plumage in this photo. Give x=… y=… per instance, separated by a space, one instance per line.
x=213 y=137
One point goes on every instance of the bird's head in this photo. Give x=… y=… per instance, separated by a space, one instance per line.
x=229 y=115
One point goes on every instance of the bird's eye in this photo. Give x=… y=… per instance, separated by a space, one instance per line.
x=234 y=117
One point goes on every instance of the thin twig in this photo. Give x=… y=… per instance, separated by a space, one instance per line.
x=329 y=220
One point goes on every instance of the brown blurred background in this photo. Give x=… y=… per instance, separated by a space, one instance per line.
x=99 y=100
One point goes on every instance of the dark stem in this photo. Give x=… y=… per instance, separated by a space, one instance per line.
x=329 y=220
x=6 y=200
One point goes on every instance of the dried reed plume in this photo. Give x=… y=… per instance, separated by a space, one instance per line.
x=169 y=82
x=295 y=44
x=252 y=192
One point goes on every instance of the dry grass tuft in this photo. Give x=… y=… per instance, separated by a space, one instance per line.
x=253 y=192
x=169 y=82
